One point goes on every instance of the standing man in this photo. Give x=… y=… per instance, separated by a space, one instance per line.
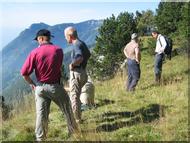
x=46 y=60
x=160 y=47
x=78 y=75
x=132 y=52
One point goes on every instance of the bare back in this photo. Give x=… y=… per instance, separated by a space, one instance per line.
x=130 y=49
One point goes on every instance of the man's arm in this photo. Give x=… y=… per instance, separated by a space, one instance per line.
x=30 y=81
x=163 y=43
x=77 y=59
x=125 y=51
x=137 y=55
x=76 y=62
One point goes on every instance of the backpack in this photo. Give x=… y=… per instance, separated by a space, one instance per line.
x=169 y=46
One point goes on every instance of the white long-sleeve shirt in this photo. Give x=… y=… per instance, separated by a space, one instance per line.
x=160 y=44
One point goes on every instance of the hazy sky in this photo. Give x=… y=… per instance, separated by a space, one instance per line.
x=17 y=15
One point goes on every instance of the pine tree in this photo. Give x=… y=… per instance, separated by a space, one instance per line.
x=145 y=21
x=168 y=16
x=107 y=55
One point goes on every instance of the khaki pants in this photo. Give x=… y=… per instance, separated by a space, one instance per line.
x=44 y=94
x=78 y=78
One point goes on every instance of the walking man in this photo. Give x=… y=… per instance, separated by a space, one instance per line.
x=46 y=60
x=132 y=52
x=159 y=57
x=78 y=75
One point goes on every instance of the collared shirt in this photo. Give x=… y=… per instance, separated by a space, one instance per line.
x=132 y=51
x=160 y=44
x=80 y=49
x=46 y=60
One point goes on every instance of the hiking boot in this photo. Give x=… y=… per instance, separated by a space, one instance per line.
x=157 y=79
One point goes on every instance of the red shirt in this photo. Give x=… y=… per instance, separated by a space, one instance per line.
x=46 y=60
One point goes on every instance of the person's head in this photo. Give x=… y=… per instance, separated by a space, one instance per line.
x=43 y=35
x=70 y=34
x=134 y=36
x=155 y=34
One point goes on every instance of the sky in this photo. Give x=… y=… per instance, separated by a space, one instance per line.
x=17 y=15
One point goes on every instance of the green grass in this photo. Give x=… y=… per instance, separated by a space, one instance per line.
x=151 y=113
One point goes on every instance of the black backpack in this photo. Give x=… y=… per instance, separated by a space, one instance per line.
x=169 y=46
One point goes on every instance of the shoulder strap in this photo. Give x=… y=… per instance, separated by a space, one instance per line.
x=160 y=41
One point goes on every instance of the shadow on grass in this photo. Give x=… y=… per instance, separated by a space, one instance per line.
x=142 y=115
x=187 y=71
x=147 y=87
x=102 y=102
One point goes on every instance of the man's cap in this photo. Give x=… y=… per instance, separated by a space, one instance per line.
x=133 y=36
x=43 y=32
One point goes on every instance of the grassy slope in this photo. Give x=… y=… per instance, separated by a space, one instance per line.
x=151 y=113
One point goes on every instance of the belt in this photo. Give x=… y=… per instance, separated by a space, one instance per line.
x=131 y=59
x=158 y=53
x=54 y=82
x=78 y=67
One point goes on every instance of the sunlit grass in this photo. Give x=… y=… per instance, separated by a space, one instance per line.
x=112 y=100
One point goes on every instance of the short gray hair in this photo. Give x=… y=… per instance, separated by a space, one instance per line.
x=134 y=36
x=71 y=31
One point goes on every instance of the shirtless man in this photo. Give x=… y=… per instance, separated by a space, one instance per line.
x=132 y=52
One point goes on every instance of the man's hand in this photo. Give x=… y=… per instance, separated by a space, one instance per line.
x=29 y=80
x=71 y=67
x=137 y=61
x=33 y=86
x=76 y=62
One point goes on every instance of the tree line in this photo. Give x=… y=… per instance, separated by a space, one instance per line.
x=171 y=19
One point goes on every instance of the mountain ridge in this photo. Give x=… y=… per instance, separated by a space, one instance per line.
x=14 y=53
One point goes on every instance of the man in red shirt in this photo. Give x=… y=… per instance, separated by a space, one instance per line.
x=46 y=60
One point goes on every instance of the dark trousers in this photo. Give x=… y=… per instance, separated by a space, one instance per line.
x=158 y=65
x=133 y=74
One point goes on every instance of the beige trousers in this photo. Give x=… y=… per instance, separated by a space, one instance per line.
x=78 y=78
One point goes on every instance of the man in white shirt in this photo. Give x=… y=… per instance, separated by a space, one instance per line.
x=160 y=47
x=132 y=52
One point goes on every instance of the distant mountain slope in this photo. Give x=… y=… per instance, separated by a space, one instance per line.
x=14 y=54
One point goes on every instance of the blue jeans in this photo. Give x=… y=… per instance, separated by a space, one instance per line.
x=158 y=64
x=133 y=74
